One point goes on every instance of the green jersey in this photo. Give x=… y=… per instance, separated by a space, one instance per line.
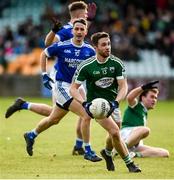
x=135 y=116
x=101 y=78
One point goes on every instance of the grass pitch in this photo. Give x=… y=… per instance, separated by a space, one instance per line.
x=52 y=151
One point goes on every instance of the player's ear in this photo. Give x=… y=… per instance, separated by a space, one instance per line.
x=86 y=32
x=95 y=47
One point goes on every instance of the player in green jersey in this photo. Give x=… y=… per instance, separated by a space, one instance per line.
x=134 y=121
x=105 y=78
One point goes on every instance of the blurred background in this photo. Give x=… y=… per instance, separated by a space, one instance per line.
x=142 y=35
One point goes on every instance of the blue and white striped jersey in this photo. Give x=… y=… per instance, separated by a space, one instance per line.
x=69 y=56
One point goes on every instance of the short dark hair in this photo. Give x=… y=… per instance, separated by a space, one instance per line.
x=95 y=37
x=81 y=20
x=144 y=93
x=77 y=5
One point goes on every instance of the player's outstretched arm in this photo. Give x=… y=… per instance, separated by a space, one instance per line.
x=135 y=93
x=50 y=37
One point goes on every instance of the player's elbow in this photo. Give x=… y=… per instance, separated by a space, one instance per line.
x=71 y=90
x=47 y=43
x=130 y=100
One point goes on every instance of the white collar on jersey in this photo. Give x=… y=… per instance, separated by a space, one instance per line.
x=76 y=44
x=103 y=62
x=144 y=106
x=71 y=24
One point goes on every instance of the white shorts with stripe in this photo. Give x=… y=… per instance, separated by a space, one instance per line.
x=62 y=93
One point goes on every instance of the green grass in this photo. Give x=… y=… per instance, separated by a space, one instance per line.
x=52 y=151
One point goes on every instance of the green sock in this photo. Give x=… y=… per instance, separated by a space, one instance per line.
x=127 y=160
x=138 y=154
x=108 y=152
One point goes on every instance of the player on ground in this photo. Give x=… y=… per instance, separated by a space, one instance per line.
x=105 y=78
x=78 y=9
x=140 y=101
x=69 y=53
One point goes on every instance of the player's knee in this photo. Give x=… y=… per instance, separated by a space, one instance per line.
x=86 y=119
x=46 y=112
x=85 y=123
x=115 y=134
x=146 y=131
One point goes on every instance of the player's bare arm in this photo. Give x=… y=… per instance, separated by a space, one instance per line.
x=51 y=38
x=123 y=88
x=133 y=95
x=75 y=93
x=43 y=62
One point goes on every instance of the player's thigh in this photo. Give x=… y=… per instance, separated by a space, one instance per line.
x=108 y=124
x=57 y=113
x=126 y=132
x=78 y=109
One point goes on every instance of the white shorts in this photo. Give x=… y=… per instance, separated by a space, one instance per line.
x=125 y=133
x=53 y=77
x=116 y=115
x=53 y=73
x=62 y=94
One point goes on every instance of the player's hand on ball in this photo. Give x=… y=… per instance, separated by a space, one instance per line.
x=86 y=106
x=113 y=106
x=47 y=81
x=149 y=85
x=57 y=25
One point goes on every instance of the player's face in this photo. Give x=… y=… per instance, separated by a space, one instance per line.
x=150 y=100
x=82 y=13
x=104 y=47
x=79 y=31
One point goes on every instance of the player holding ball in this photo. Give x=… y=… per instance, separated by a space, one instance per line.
x=105 y=78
